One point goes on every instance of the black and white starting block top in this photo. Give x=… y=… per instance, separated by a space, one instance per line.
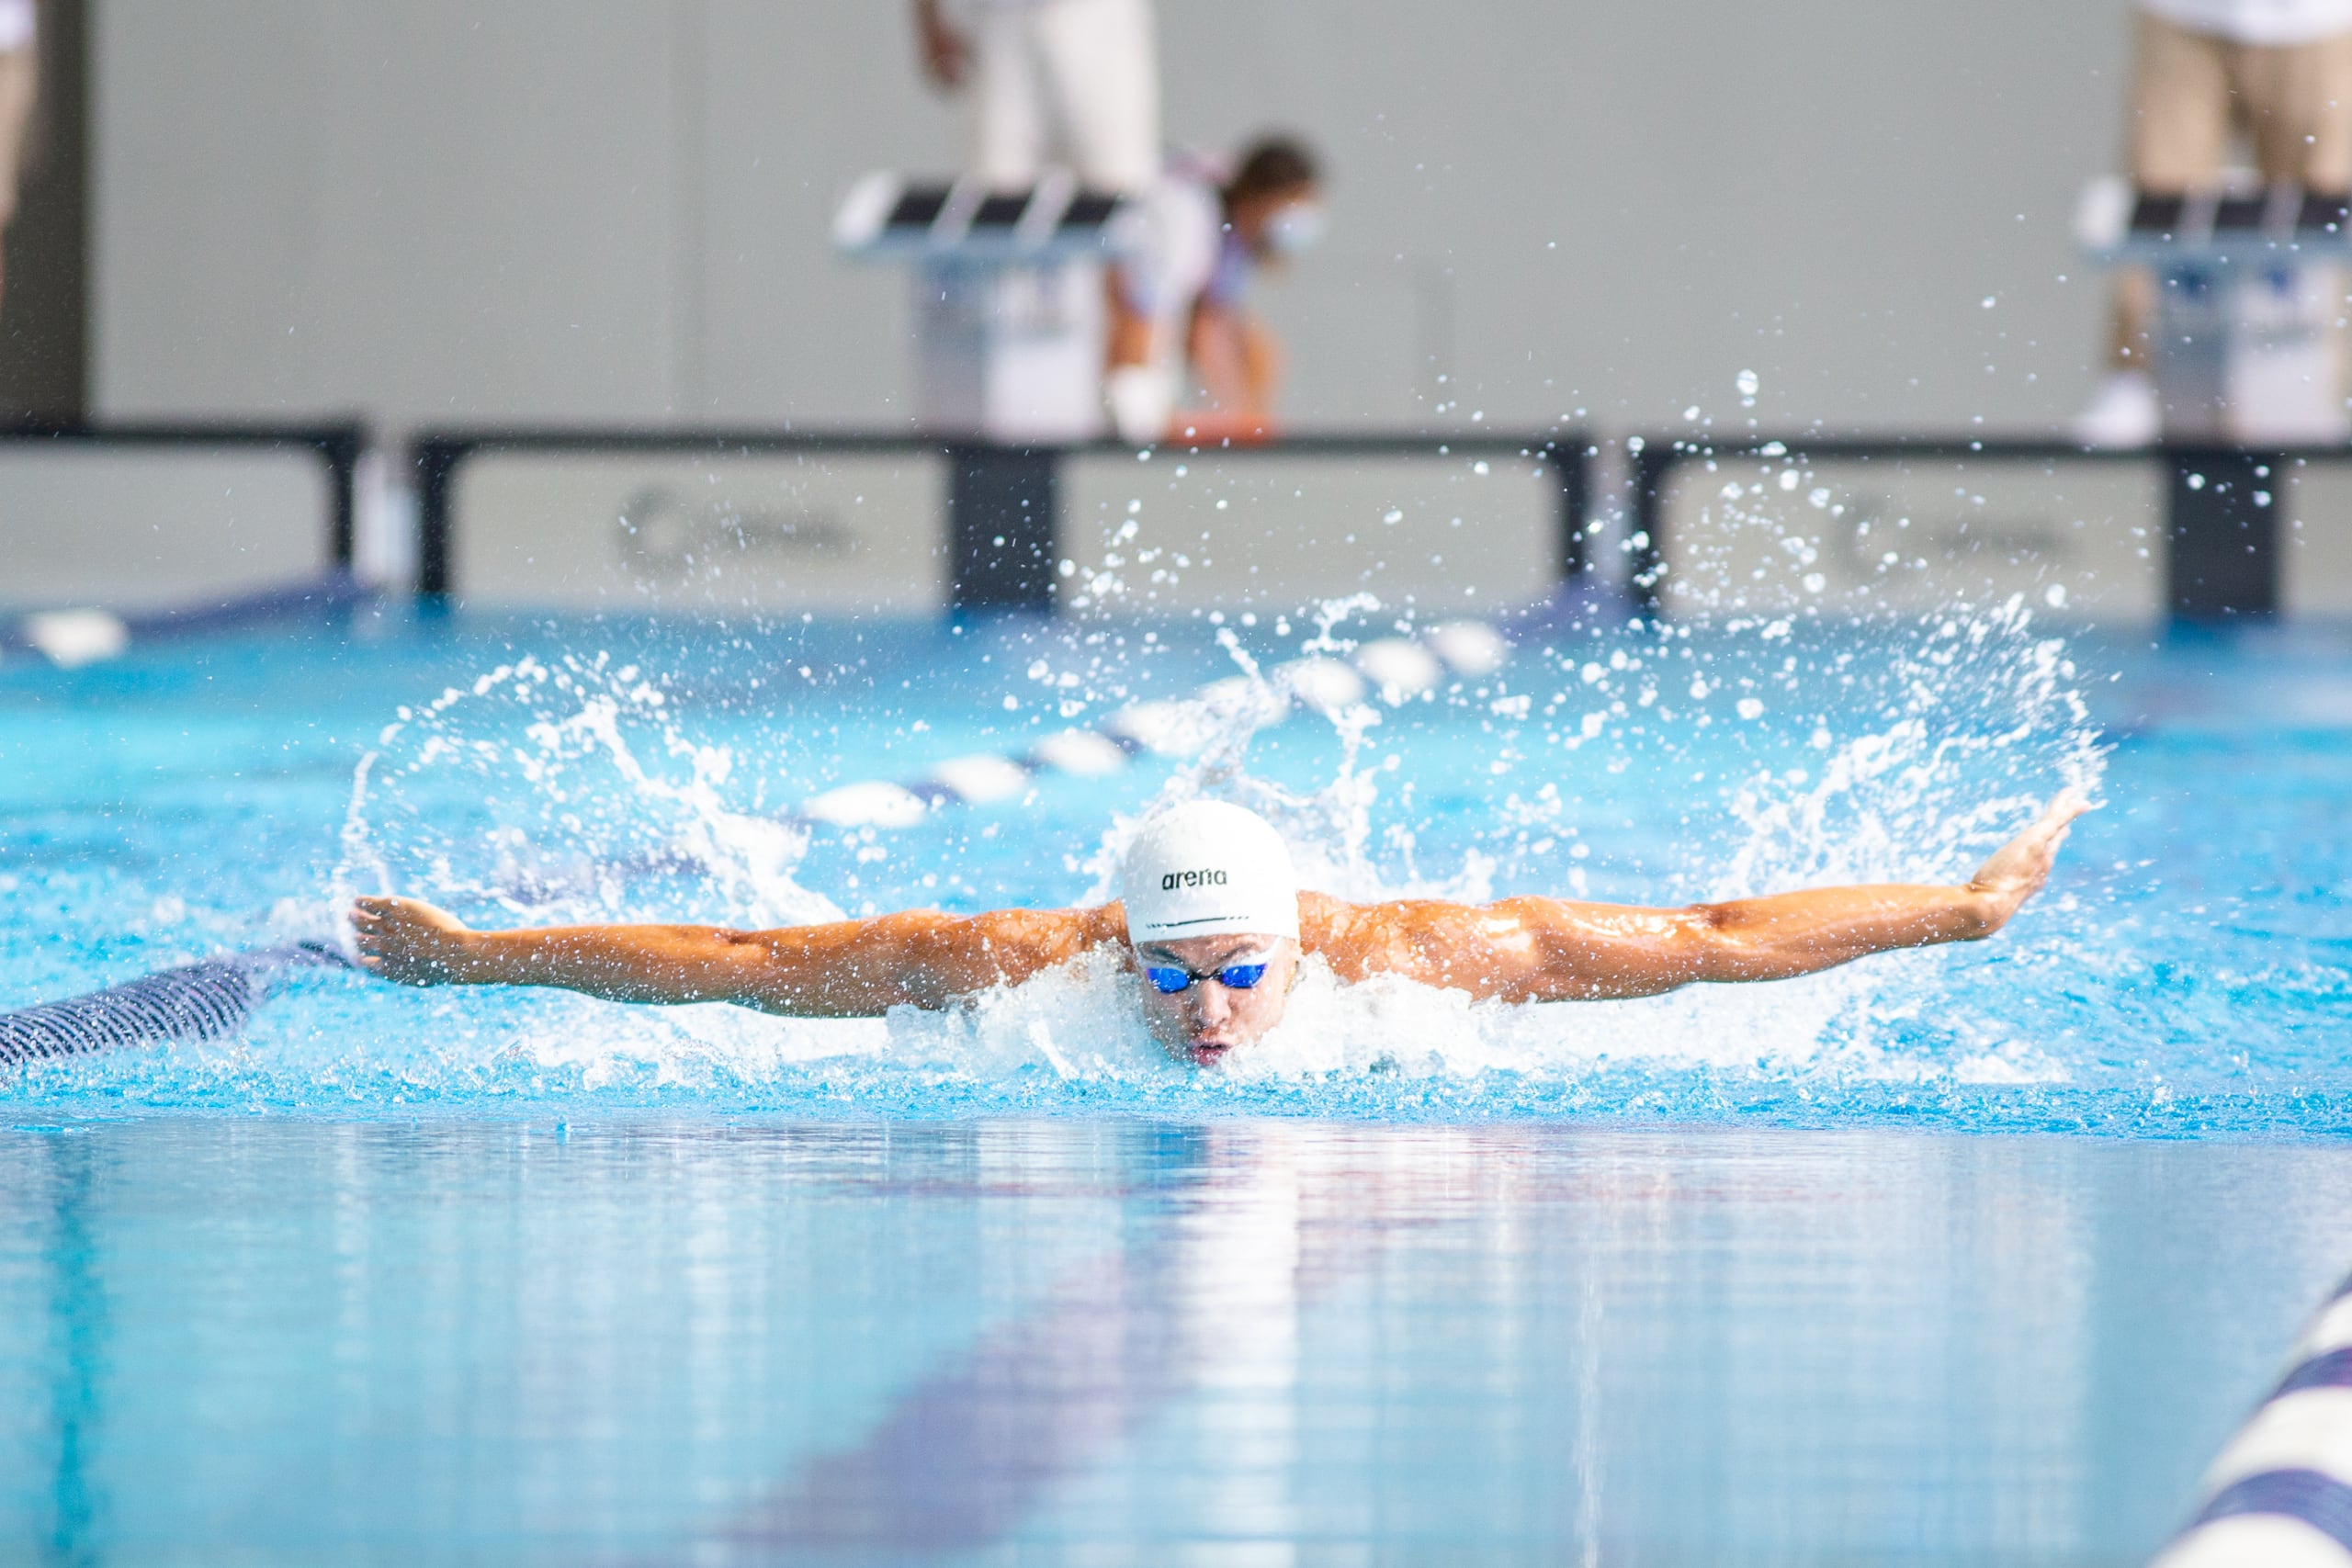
x=887 y=215
x=2120 y=226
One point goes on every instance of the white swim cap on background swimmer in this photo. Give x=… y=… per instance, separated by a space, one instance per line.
x=1208 y=869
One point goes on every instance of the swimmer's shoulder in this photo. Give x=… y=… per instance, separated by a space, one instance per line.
x=1359 y=939
x=1327 y=924
x=1014 y=944
x=1103 y=925
x=1071 y=931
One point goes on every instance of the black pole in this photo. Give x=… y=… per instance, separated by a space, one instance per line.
x=341 y=448
x=435 y=459
x=2222 y=563
x=1005 y=526
x=1571 y=466
x=1652 y=465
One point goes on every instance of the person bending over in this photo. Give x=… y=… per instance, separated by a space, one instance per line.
x=1179 y=300
x=1212 y=925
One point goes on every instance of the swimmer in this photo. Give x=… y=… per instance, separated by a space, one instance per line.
x=1213 y=926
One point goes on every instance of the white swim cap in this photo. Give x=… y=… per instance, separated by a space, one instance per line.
x=1208 y=869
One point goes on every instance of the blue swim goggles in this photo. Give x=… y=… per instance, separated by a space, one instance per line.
x=1168 y=981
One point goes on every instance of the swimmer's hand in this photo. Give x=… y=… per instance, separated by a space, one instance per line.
x=2018 y=868
x=408 y=940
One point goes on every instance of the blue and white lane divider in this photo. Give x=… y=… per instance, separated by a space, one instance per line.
x=72 y=637
x=212 y=999
x=2280 y=1494
x=206 y=1000
x=1396 y=668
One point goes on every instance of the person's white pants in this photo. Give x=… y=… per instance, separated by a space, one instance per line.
x=1066 y=83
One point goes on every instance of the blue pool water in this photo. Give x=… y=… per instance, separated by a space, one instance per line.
x=1963 y=1255
x=288 y=1340
x=2182 y=976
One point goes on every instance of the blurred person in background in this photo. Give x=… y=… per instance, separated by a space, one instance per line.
x=1178 y=300
x=1070 y=83
x=19 y=86
x=2280 y=72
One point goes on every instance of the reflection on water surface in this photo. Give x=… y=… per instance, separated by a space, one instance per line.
x=288 y=1341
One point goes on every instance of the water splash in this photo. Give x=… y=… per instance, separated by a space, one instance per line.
x=579 y=788
x=569 y=792
x=1974 y=726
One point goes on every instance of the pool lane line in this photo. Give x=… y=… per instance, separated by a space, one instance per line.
x=964 y=1456
x=206 y=1000
x=75 y=636
x=2280 y=1494
x=81 y=1325
x=212 y=999
x=1397 y=668
x=960 y=1458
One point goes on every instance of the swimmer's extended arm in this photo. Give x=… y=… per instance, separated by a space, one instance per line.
x=1554 y=950
x=843 y=969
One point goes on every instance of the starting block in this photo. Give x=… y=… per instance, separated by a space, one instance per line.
x=1009 y=299
x=2247 y=349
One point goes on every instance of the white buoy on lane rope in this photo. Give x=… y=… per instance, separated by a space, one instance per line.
x=1081 y=753
x=870 y=804
x=980 y=780
x=1401 y=669
x=1397 y=668
x=1470 y=648
x=73 y=638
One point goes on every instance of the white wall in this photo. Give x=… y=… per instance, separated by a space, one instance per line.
x=615 y=209
x=157 y=528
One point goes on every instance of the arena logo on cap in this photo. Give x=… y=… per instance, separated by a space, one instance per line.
x=1175 y=879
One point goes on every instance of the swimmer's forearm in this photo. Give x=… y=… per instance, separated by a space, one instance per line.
x=841 y=969
x=1556 y=950
x=1800 y=933
x=1787 y=934
x=783 y=972
x=622 y=963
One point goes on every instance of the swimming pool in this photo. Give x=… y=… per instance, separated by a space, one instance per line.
x=1084 y=1340
x=2181 y=977
x=461 y=1274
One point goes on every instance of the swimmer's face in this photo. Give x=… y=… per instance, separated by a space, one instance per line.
x=1208 y=1021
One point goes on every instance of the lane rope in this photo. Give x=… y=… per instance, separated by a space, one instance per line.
x=212 y=999
x=72 y=637
x=1397 y=669
x=206 y=1000
x=2280 y=1494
